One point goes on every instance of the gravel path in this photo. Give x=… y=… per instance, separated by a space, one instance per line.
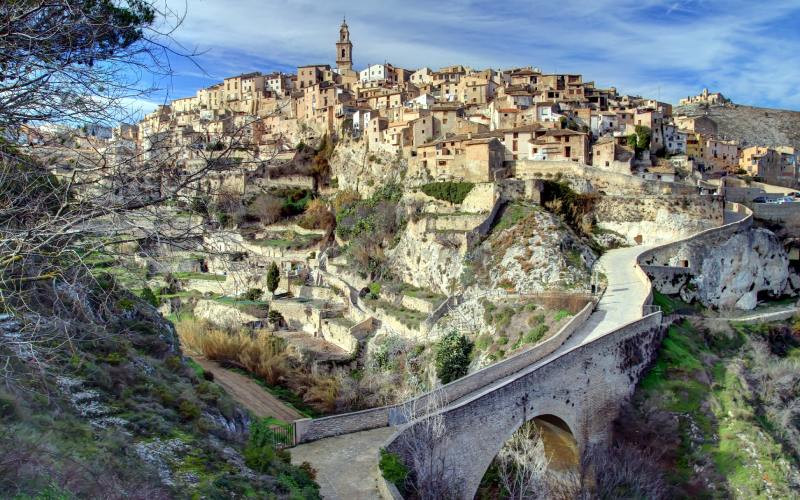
x=346 y=465
x=248 y=393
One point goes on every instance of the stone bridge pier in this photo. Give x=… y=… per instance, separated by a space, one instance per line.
x=584 y=388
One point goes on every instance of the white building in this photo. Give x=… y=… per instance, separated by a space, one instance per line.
x=674 y=139
x=361 y=118
x=423 y=101
x=377 y=73
x=603 y=123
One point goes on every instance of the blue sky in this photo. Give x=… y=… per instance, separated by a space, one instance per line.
x=748 y=50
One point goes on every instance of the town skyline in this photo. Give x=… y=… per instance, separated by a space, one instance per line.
x=700 y=45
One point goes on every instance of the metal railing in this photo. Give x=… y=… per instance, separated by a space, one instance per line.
x=650 y=309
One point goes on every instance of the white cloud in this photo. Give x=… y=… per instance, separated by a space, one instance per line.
x=638 y=46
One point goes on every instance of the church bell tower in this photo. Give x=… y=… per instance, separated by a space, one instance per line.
x=344 y=49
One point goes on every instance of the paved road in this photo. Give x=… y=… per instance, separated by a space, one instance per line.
x=622 y=301
x=346 y=465
x=248 y=393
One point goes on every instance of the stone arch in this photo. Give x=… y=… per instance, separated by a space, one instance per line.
x=560 y=442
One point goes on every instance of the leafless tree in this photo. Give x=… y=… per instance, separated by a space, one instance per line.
x=420 y=447
x=618 y=470
x=67 y=196
x=522 y=465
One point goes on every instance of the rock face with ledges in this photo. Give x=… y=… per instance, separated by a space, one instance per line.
x=733 y=273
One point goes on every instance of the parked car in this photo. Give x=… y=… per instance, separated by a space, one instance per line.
x=760 y=199
x=793 y=194
x=786 y=199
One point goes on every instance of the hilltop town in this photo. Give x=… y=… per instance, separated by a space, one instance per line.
x=353 y=239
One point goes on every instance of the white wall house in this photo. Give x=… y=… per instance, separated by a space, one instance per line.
x=603 y=123
x=423 y=101
x=674 y=139
x=361 y=118
x=376 y=73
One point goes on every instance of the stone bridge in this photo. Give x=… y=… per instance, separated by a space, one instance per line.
x=577 y=379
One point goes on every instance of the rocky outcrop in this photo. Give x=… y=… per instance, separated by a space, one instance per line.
x=531 y=250
x=657 y=219
x=364 y=171
x=432 y=260
x=734 y=273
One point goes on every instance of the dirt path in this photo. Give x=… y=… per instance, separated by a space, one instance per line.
x=248 y=393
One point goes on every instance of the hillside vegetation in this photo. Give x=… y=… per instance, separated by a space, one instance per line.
x=723 y=406
x=751 y=126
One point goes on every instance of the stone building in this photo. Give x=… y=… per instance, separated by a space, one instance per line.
x=705 y=97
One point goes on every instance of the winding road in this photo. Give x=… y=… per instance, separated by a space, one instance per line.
x=627 y=292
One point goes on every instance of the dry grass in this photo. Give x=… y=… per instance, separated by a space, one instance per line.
x=264 y=355
x=261 y=354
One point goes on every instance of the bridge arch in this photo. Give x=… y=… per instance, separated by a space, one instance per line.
x=559 y=444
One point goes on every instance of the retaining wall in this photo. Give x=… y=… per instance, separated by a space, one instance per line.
x=612 y=183
x=661 y=254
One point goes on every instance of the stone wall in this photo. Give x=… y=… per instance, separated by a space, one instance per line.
x=584 y=178
x=668 y=279
x=485 y=376
x=658 y=219
x=223 y=315
x=481 y=198
x=338 y=334
x=785 y=214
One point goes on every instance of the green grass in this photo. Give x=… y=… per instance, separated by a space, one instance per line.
x=196 y=368
x=289 y=241
x=189 y=275
x=670 y=304
x=512 y=214
x=698 y=376
x=561 y=314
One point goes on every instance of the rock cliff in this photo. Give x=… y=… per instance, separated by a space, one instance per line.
x=735 y=272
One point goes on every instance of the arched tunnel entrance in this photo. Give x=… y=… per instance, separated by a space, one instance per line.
x=542 y=452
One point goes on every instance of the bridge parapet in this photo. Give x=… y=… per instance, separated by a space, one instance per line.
x=307 y=430
x=582 y=387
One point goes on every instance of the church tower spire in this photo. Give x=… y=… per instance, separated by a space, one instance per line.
x=344 y=49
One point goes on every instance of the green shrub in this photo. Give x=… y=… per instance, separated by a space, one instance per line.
x=392 y=468
x=535 y=334
x=274 y=316
x=561 y=315
x=452 y=356
x=374 y=290
x=188 y=410
x=273 y=278
x=454 y=192
x=253 y=294
x=149 y=297
x=482 y=342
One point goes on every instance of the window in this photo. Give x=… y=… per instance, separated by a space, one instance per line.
x=342 y=53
